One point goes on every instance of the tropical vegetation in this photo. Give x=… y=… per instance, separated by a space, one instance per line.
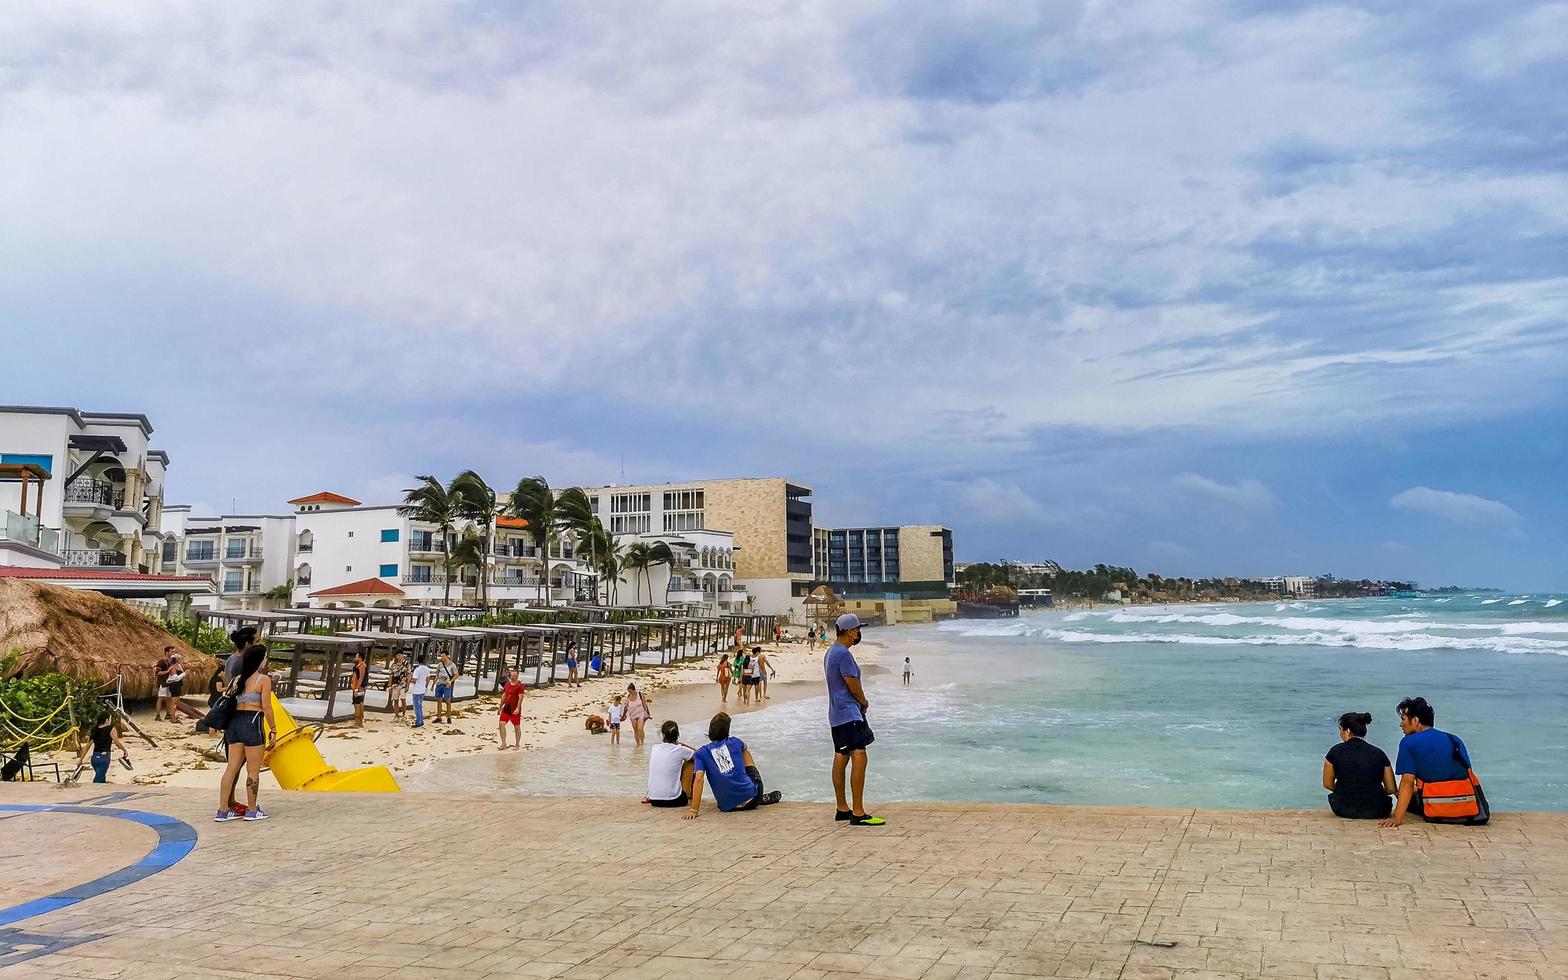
x=437 y=505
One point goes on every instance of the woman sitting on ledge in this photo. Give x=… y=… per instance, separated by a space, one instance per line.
x=1357 y=773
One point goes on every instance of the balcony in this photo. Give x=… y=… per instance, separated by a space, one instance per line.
x=515 y=581
x=94 y=493
x=429 y=546
x=242 y=556
x=201 y=556
x=306 y=547
x=25 y=530
x=94 y=558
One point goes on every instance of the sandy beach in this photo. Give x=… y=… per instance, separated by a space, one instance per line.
x=551 y=716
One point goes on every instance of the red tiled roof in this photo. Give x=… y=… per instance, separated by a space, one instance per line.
x=101 y=574
x=369 y=586
x=326 y=497
x=517 y=523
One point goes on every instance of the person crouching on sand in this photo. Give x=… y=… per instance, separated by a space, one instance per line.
x=512 y=710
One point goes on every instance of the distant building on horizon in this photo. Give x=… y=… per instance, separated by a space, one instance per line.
x=908 y=561
x=1299 y=586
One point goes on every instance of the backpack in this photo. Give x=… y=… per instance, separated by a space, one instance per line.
x=1459 y=801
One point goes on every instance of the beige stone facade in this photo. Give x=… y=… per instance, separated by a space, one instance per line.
x=920 y=553
x=756 y=511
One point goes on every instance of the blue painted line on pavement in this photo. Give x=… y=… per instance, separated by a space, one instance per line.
x=176 y=838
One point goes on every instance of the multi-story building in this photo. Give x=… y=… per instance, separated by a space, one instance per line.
x=769 y=519
x=81 y=504
x=396 y=560
x=912 y=561
x=702 y=575
x=93 y=487
x=247 y=556
x=1299 y=586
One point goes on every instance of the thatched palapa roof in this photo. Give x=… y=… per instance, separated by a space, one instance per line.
x=89 y=636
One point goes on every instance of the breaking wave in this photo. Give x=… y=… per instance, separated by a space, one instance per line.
x=1367 y=641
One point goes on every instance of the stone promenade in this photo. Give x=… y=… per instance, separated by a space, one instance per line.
x=337 y=886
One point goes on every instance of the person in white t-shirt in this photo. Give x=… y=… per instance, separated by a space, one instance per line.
x=669 y=769
x=417 y=689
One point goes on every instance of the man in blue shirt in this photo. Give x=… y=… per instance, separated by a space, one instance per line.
x=847 y=718
x=726 y=763
x=1425 y=754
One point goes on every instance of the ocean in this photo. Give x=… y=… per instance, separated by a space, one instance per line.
x=1188 y=706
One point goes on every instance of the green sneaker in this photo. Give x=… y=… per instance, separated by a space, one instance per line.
x=868 y=820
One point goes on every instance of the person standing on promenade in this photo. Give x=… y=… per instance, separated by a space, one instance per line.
x=847 y=706
x=726 y=763
x=252 y=704
x=1435 y=774
x=397 y=687
x=512 y=709
x=907 y=672
x=723 y=677
x=1356 y=773
x=417 y=691
x=357 y=685
x=100 y=740
x=446 y=687
x=637 y=710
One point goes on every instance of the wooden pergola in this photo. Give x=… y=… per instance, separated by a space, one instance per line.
x=265 y=620
x=336 y=620
x=390 y=645
x=331 y=651
x=542 y=646
x=497 y=644
x=454 y=614
x=394 y=618
x=464 y=646
x=755 y=627
x=674 y=635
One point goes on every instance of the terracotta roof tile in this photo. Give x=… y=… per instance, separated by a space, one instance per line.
x=516 y=523
x=326 y=497
x=368 y=586
x=100 y=574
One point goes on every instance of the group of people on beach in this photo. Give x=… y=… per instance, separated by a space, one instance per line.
x=1435 y=778
x=679 y=773
x=749 y=671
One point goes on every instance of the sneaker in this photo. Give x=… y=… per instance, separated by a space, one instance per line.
x=256 y=814
x=866 y=821
x=224 y=816
x=769 y=799
x=843 y=814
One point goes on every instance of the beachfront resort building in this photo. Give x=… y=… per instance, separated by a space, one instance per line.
x=353 y=554
x=248 y=557
x=915 y=560
x=768 y=520
x=1299 y=586
x=81 y=497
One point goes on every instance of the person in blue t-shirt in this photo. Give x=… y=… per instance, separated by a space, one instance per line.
x=726 y=763
x=847 y=706
x=1425 y=754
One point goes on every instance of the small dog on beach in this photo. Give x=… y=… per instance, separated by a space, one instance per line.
x=594 y=724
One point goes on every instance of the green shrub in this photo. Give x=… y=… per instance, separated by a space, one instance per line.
x=210 y=640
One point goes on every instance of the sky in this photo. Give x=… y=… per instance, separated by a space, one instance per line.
x=1238 y=287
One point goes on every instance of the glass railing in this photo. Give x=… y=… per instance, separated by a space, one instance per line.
x=27 y=531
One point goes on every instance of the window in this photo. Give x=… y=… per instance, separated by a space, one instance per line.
x=630 y=503
x=690 y=521
x=171 y=551
x=389 y=571
x=630 y=523
x=233 y=582
x=422 y=541
x=348 y=568
x=351 y=534
x=200 y=551
x=419 y=573
x=389 y=535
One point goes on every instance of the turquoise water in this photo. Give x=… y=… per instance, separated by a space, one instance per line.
x=1207 y=706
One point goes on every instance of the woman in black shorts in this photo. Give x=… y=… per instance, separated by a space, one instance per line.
x=1357 y=773
x=245 y=735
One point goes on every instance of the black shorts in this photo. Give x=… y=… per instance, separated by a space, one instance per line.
x=851 y=736
x=359 y=697
x=751 y=680
x=681 y=800
x=245 y=728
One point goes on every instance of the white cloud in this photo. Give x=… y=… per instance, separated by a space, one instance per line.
x=988 y=501
x=1247 y=496
x=1462 y=508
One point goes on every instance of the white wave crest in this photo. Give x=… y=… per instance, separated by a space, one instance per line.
x=1553 y=602
x=1297 y=622
x=1488 y=602
x=1380 y=641
x=1518 y=602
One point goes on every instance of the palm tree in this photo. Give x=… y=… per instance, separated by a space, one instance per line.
x=636 y=561
x=536 y=503
x=659 y=553
x=431 y=503
x=469 y=553
x=575 y=516
x=476 y=502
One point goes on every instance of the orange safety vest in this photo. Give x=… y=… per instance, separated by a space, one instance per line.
x=1453 y=800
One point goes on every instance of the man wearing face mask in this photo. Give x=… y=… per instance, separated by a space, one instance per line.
x=847 y=717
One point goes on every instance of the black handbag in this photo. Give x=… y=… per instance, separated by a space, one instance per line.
x=219 y=715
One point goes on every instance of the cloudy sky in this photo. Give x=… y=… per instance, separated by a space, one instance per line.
x=1248 y=287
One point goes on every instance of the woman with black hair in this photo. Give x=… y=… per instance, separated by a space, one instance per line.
x=1357 y=774
x=252 y=705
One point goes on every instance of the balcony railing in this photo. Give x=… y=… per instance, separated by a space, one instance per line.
x=430 y=547
x=26 y=530
x=94 y=558
x=302 y=580
x=203 y=555
x=516 y=580
x=99 y=492
x=306 y=547
x=242 y=554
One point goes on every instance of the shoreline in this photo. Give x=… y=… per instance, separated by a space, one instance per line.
x=552 y=717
